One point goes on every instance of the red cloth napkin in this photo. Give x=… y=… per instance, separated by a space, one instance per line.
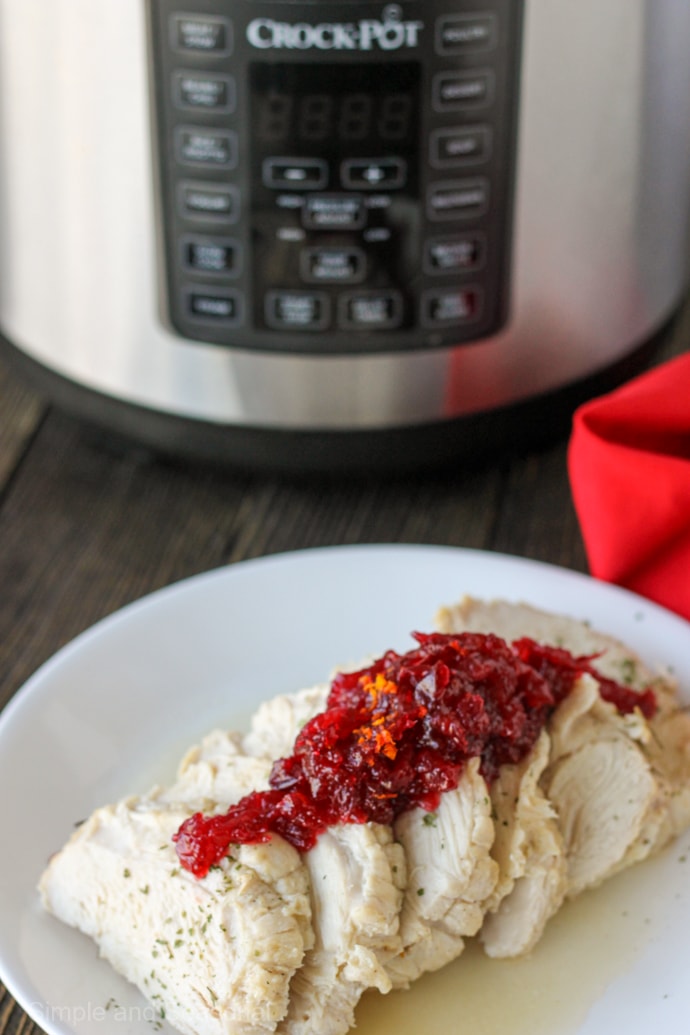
x=629 y=467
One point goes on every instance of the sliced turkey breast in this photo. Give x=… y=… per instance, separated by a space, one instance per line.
x=217 y=771
x=511 y=620
x=450 y=875
x=668 y=750
x=446 y=854
x=356 y=872
x=276 y=723
x=531 y=858
x=609 y=802
x=214 y=956
x=633 y=773
x=357 y=875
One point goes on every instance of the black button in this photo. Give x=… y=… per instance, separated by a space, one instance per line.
x=201 y=34
x=295 y=173
x=456 y=306
x=457 y=147
x=334 y=212
x=214 y=306
x=333 y=265
x=465 y=33
x=457 y=254
x=206 y=147
x=460 y=200
x=371 y=310
x=209 y=202
x=373 y=173
x=462 y=91
x=377 y=234
x=204 y=92
x=211 y=255
x=297 y=310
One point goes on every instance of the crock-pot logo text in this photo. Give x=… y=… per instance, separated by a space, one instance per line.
x=390 y=32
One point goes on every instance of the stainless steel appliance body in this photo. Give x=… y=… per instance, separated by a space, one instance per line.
x=339 y=217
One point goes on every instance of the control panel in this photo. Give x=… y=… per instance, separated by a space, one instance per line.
x=336 y=178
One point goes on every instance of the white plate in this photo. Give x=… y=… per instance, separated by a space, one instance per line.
x=112 y=712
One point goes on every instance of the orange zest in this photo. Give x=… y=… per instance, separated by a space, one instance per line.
x=376 y=734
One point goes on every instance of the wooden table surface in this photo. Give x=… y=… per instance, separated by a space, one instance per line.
x=85 y=529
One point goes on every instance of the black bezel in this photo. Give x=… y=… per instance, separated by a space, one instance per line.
x=487 y=76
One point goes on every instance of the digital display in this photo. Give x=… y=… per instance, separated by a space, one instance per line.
x=300 y=107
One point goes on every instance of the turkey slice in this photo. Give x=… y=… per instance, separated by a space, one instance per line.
x=446 y=854
x=356 y=872
x=531 y=857
x=215 y=956
x=450 y=875
x=609 y=802
x=602 y=765
x=217 y=772
x=276 y=723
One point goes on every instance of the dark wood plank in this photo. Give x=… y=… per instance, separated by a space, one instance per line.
x=13 y=1020
x=21 y=412
x=432 y=510
x=536 y=517
x=84 y=531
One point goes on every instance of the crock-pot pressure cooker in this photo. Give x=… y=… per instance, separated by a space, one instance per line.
x=311 y=233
